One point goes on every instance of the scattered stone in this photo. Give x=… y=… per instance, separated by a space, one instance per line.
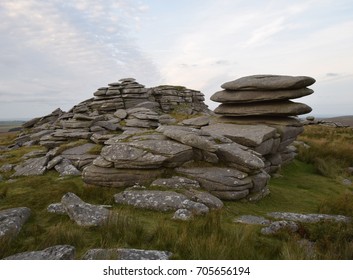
x=176 y=182
x=12 y=220
x=310 y=118
x=275 y=227
x=350 y=170
x=56 y=208
x=347 y=182
x=252 y=220
x=160 y=201
x=183 y=215
x=308 y=218
x=84 y=214
x=59 y=252
x=126 y=254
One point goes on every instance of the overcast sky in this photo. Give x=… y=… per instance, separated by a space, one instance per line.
x=55 y=53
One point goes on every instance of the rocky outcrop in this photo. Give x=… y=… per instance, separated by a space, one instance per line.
x=12 y=220
x=59 y=252
x=166 y=137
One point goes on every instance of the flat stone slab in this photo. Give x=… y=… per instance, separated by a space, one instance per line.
x=159 y=201
x=275 y=227
x=218 y=178
x=243 y=159
x=248 y=135
x=176 y=182
x=126 y=254
x=197 y=122
x=190 y=138
x=112 y=177
x=79 y=150
x=248 y=96
x=252 y=220
x=147 y=154
x=279 y=108
x=308 y=218
x=33 y=166
x=206 y=198
x=59 y=252
x=84 y=214
x=12 y=220
x=269 y=82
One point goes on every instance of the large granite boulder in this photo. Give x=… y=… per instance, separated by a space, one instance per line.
x=269 y=82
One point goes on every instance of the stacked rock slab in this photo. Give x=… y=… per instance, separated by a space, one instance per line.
x=257 y=112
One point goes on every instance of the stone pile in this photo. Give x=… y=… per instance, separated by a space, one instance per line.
x=256 y=112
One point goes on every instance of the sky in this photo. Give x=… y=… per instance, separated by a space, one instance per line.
x=56 y=53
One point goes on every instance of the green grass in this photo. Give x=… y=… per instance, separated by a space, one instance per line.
x=301 y=188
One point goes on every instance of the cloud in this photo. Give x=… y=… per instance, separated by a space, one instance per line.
x=61 y=51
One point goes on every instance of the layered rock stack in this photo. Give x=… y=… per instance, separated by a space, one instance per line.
x=257 y=112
